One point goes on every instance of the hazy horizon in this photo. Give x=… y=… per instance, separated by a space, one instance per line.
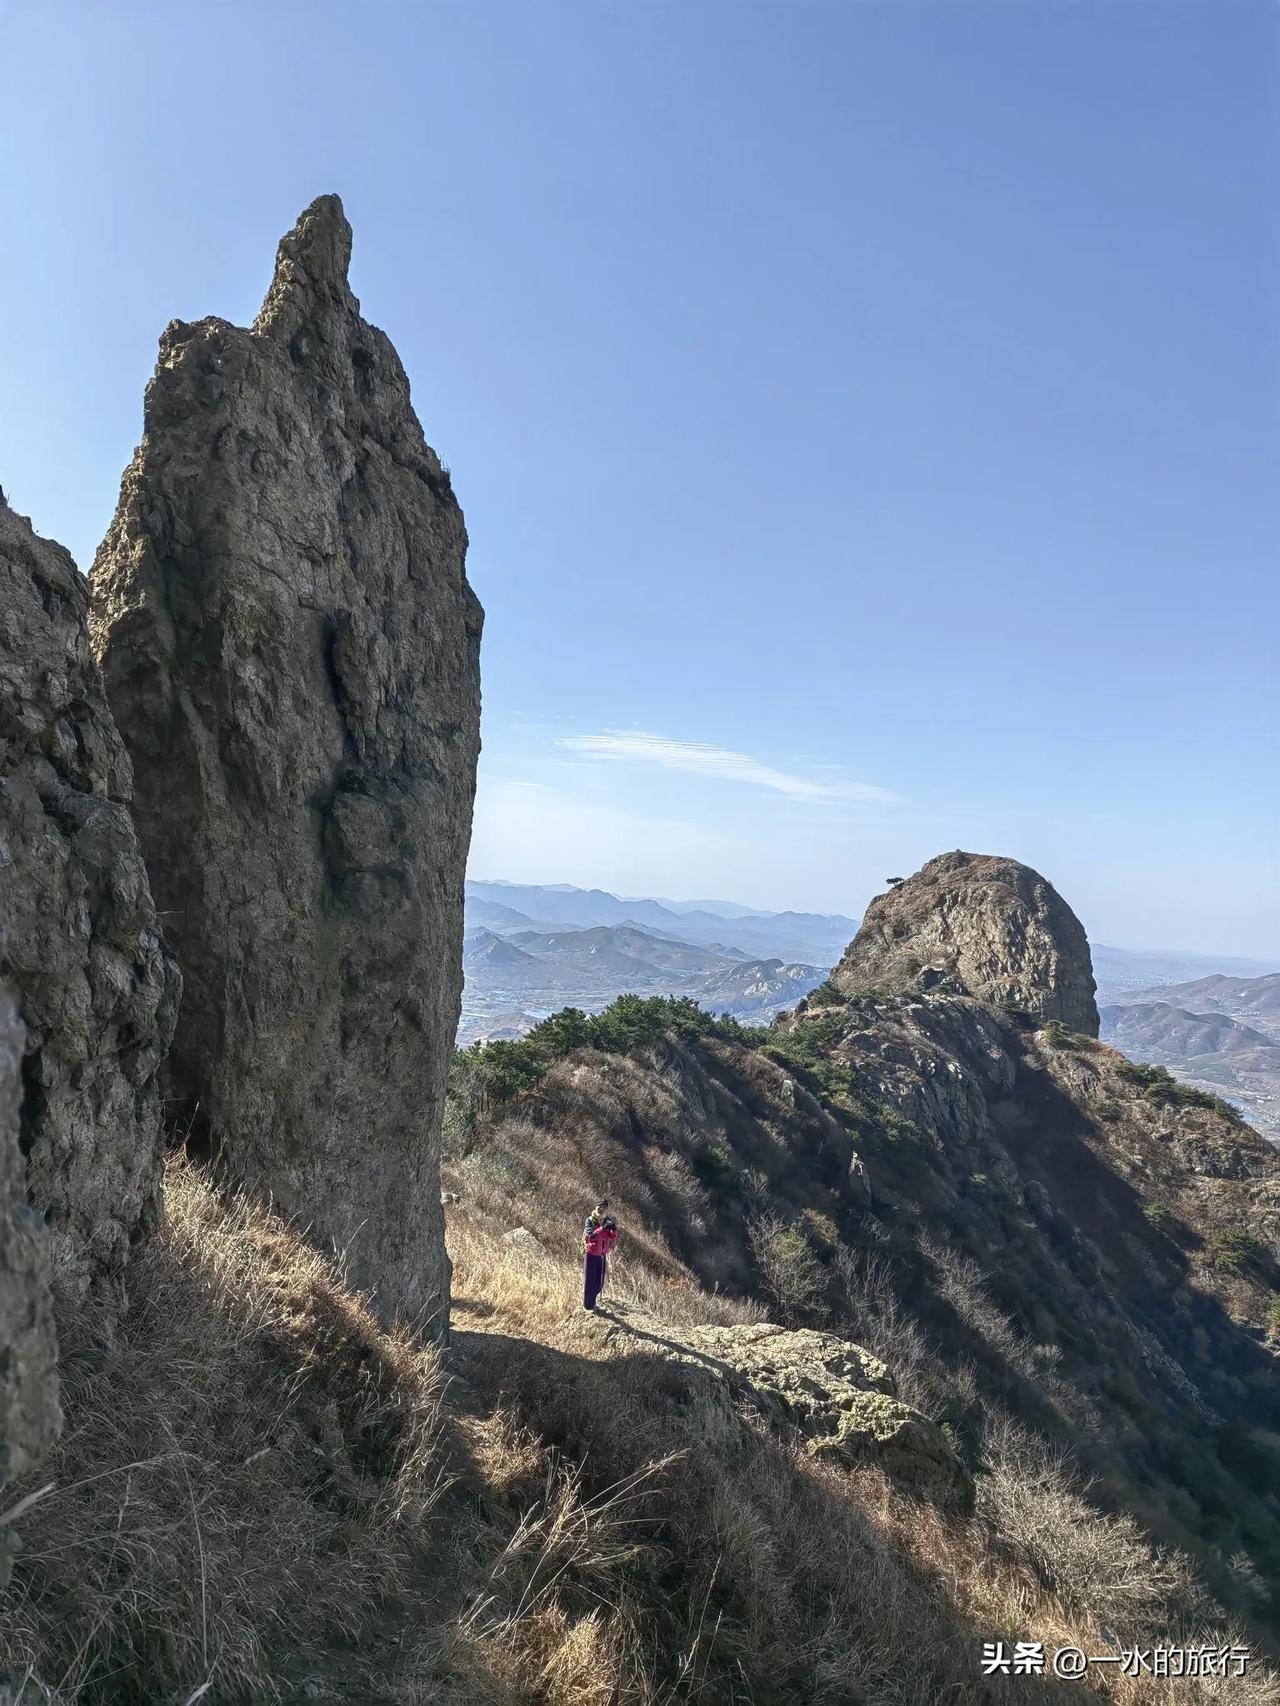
x=1171 y=949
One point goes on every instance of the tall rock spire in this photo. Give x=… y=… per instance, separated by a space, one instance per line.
x=309 y=290
x=291 y=649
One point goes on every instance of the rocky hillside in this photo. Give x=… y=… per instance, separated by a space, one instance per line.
x=1033 y=1233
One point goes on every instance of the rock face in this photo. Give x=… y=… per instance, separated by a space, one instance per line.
x=997 y=930
x=291 y=650
x=939 y=1062
x=839 y=1397
x=80 y=948
x=28 y=1382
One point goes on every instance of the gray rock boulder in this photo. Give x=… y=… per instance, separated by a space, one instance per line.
x=80 y=948
x=837 y=1396
x=990 y=926
x=291 y=650
x=29 y=1418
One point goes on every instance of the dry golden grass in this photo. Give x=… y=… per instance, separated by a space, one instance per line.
x=759 y=1574
x=258 y=1484
x=250 y=1465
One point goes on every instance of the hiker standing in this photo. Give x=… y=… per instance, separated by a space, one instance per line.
x=599 y=1235
x=599 y=1217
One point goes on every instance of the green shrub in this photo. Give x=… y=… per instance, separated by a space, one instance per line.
x=821 y=1229
x=1159 y=1215
x=825 y=995
x=1158 y=1085
x=488 y=1074
x=792 y=1273
x=1232 y=1250
x=713 y=1165
x=1273 y=1318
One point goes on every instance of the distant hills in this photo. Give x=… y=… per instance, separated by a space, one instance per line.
x=1127 y=974
x=530 y=950
x=1219 y=993
x=1157 y=1031
x=1220 y=1032
x=814 y=937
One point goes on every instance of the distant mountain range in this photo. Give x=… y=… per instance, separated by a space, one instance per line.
x=1156 y=1031
x=530 y=950
x=816 y=938
x=1219 y=993
x=1128 y=974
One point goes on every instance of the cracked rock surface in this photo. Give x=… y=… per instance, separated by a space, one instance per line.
x=839 y=1397
x=291 y=651
x=994 y=928
x=80 y=948
x=29 y=1416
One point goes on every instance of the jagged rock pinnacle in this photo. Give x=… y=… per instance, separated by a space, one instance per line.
x=291 y=648
x=309 y=286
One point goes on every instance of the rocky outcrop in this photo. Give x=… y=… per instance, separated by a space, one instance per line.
x=838 y=1397
x=991 y=926
x=80 y=948
x=29 y=1417
x=938 y=1062
x=291 y=651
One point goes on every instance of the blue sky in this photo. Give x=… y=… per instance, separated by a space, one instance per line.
x=866 y=415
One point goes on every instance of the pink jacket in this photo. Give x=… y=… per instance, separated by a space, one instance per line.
x=602 y=1240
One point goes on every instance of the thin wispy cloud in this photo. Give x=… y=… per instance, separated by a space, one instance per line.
x=698 y=758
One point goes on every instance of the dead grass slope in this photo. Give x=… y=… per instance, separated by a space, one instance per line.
x=997 y=1255
x=263 y=1496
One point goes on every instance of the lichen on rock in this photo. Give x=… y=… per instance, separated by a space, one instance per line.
x=838 y=1397
x=291 y=649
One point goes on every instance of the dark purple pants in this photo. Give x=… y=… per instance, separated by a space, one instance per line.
x=592 y=1279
